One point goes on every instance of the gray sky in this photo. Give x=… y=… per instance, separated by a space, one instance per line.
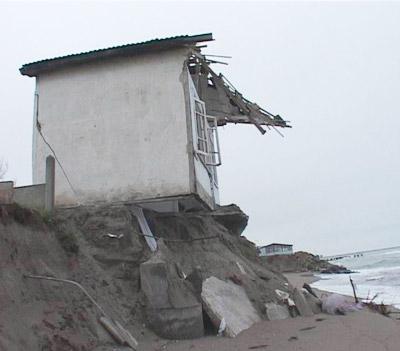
x=332 y=184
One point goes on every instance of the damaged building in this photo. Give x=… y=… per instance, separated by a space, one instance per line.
x=136 y=123
x=138 y=233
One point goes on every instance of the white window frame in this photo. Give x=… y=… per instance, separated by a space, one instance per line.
x=201 y=144
x=207 y=141
x=214 y=157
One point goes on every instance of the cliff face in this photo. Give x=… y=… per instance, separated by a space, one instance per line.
x=299 y=262
x=102 y=248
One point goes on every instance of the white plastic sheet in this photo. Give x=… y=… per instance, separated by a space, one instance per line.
x=148 y=235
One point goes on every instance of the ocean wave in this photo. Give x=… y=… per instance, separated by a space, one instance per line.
x=392 y=262
x=380 y=277
x=397 y=252
x=378 y=273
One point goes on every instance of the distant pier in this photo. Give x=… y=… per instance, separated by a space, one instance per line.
x=354 y=254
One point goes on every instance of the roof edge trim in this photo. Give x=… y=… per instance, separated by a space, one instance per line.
x=34 y=68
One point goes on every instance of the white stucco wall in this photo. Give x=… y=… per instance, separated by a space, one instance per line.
x=118 y=127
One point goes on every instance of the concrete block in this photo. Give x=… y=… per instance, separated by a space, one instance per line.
x=179 y=294
x=6 y=193
x=276 y=312
x=232 y=218
x=314 y=302
x=177 y=323
x=172 y=310
x=154 y=282
x=196 y=278
x=301 y=304
x=229 y=302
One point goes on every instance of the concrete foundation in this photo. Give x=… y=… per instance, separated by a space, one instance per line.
x=232 y=218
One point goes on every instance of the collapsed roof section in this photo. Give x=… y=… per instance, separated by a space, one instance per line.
x=224 y=102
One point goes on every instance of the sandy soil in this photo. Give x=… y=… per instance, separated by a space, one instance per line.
x=38 y=315
x=75 y=244
x=357 y=331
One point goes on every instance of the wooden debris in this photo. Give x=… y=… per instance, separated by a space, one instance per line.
x=112 y=329
x=307 y=328
x=354 y=290
x=258 y=347
x=117 y=331
x=310 y=290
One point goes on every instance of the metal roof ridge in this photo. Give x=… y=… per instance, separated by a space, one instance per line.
x=31 y=69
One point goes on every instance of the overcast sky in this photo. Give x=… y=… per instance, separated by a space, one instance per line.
x=332 y=184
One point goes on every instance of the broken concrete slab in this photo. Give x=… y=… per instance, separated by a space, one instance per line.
x=314 y=302
x=232 y=218
x=172 y=310
x=196 y=278
x=301 y=304
x=154 y=282
x=177 y=323
x=225 y=300
x=276 y=312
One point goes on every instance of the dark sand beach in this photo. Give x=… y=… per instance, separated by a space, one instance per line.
x=357 y=331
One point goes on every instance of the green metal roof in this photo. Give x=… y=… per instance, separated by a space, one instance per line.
x=35 y=68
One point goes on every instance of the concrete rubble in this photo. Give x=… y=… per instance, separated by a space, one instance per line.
x=232 y=218
x=276 y=312
x=172 y=309
x=314 y=302
x=227 y=303
x=301 y=304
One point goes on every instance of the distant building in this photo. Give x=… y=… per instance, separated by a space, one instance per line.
x=275 y=249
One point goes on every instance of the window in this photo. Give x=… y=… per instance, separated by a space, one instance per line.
x=201 y=128
x=207 y=143
x=214 y=157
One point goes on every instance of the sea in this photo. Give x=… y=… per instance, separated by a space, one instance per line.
x=376 y=273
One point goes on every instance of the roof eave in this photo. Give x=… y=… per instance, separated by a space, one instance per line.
x=33 y=69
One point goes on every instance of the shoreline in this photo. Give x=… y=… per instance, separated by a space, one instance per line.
x=299 y=278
